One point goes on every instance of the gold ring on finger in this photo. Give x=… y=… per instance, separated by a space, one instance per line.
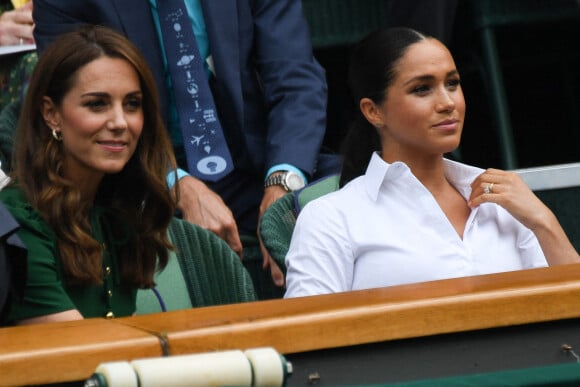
x=488 y=188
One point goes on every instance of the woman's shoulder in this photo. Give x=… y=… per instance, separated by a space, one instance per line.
x=15 y=201
x=12 y=197
x=340 y=201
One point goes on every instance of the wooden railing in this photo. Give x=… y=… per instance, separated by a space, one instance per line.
x=71 y=351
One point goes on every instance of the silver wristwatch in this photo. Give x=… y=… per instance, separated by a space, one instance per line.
x=291 y=181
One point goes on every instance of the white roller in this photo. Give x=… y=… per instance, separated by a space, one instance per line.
x=268 y=367
x=208 y=369
x=118 y=374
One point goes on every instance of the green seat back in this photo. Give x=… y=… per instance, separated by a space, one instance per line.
x=344 y=22
x=315 y=190
x=203 y=271
x=276 y=228
x=174 y=297
x=279 y=219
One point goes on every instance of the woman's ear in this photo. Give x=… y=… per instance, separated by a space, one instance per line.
x=50 y=113
x=371 y=112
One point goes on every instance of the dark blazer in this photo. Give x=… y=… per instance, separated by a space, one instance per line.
x=12 y=262
x=270 y=91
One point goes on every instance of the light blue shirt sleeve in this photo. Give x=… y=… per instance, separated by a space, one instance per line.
x=286 y=167
x=175 y=175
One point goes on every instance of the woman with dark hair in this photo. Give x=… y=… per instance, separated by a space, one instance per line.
x=89 y=183
x=414 y=215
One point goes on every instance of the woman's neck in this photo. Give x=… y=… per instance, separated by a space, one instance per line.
x=431 y=173
x=429 y=170
x=88 y=188
x=87 y=180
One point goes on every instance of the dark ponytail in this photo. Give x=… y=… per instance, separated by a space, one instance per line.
x=371 y=72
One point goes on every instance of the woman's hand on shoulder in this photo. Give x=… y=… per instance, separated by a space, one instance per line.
x=508 y=190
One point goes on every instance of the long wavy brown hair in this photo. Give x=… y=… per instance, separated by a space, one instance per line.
x=139 y=201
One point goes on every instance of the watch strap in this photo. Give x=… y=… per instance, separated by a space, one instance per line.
x=275 y=179
x=286 y=168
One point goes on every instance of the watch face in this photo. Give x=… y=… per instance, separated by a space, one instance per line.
x=294 y=181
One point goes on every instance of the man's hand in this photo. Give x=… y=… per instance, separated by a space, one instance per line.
x=202 y=206
x=16 y=26
x=271 y=194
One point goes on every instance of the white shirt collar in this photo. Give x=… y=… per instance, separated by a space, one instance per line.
x=380 y=172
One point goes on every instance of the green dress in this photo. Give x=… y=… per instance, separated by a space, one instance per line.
x=15 y=72
x=46 y=291
x=8 y=122
x=15 y=69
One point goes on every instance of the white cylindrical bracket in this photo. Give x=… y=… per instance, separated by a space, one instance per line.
x=228 y=368
x=257 y=367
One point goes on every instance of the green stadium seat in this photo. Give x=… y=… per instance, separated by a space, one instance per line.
x=202 y=271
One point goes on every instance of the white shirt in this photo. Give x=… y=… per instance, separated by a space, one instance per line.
x=385 y=228
x=4 y=180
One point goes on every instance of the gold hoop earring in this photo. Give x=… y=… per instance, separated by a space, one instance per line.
x=56 y=135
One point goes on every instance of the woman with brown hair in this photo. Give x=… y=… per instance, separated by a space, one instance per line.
x=89 y=184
